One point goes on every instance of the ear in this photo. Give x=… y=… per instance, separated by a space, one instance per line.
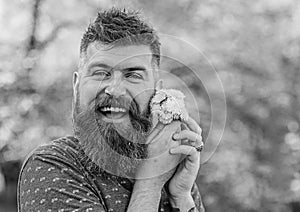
x=159 y=85
x=75 y=83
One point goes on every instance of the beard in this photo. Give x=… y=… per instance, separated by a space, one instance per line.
x=117 y=148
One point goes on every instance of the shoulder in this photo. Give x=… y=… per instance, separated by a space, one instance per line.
x=65 y=148
x=62 y=154
x=53 y=176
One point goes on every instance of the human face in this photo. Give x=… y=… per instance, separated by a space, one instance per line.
x=124 y=71
x=114 y=141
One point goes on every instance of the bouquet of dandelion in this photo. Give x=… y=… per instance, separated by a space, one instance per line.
x=169 y=105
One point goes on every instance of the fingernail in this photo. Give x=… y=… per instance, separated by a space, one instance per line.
x=161 y=83
x=171 y=151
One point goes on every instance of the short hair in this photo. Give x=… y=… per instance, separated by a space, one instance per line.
x=121 y=27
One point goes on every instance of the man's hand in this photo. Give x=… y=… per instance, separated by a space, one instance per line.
x=156 y=170
x=160 y=164
x=181 y=183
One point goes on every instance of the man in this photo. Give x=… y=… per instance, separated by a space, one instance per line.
x=121 y=158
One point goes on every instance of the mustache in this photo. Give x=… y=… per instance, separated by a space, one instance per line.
x=106 y=100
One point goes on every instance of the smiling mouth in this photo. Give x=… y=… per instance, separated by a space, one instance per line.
x=113 y=112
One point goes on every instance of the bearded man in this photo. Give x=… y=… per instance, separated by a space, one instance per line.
x=120 y=157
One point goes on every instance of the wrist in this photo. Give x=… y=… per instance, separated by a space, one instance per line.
x=145 y=196
x=184 y=202
x=150 y=185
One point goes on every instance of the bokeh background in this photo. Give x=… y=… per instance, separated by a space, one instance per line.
x=254 y=46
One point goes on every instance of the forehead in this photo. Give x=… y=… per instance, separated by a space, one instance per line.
x=119 y=55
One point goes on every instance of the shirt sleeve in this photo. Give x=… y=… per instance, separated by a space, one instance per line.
x=197 y=198
x=48 y=183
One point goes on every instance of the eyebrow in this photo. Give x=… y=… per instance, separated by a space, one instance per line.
x=96 y=64
x=135 y=68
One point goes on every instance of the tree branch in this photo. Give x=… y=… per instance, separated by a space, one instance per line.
x=52 y=36
x=35 y=17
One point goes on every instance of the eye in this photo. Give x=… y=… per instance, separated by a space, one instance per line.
x=134 y=75
x=101 y=74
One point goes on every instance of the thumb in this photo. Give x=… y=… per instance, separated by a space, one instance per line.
x=156 y=130
x=159 y=85
x=163 y=130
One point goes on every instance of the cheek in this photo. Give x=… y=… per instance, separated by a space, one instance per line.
x=88 y=92
x=143 y=98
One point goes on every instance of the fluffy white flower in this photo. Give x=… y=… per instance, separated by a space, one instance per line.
x=168 y=104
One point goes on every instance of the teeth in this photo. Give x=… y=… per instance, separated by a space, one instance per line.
x=113 y=109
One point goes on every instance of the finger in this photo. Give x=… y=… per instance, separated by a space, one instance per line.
x=159 y=85
x=190 y=135
x=193 y=125
x=191 y=152
x=172 y=128
x=163 y=130
x=183 y=126
x=154 y=121
x=156 y=130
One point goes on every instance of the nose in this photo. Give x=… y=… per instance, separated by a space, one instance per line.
x=116 y=87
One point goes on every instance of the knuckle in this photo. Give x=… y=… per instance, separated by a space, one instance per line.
x=192 y=150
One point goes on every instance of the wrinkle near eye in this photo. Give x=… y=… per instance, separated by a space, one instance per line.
x=134 y=74
x=101 y=72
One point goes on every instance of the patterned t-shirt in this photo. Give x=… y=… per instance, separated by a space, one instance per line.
x=59 y=177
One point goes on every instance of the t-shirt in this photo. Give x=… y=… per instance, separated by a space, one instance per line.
x=60 y=177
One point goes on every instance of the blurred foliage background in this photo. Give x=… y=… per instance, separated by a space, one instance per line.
x=254 y=46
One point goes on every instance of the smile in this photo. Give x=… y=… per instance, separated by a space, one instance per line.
x=113 y=113
x=113 y=109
